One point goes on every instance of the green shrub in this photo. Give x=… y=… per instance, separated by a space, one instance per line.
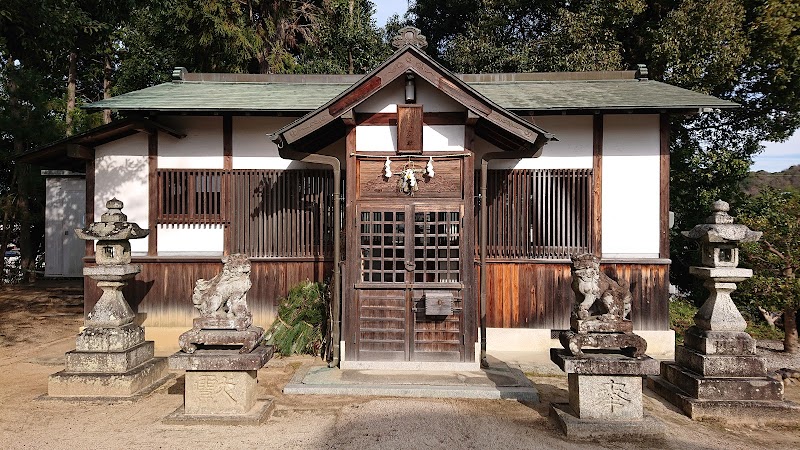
x=681 y=316
x=298 y=329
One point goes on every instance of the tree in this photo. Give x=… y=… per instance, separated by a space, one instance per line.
x=775 y=259
x=348 y=41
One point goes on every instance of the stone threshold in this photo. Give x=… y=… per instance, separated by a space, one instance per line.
x=494 y=383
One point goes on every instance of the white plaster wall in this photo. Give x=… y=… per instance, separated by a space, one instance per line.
x=121 y=171
x=386 y=99
x=573 y=150
x=183 y=239
x=631 y=184
x=435 y=138
x=253 y=149
x=200 y=149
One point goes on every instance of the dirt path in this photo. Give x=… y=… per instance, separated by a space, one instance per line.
x=38 y=325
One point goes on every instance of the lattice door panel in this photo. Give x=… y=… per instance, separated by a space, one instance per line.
x=437 y=238
x=383 y=246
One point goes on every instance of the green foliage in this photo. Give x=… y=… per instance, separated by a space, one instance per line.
x=776 y=257
x=347 y=40
x=681 y=316
x=301 y=320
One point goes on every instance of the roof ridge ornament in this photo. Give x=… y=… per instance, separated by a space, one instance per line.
x=409 y=36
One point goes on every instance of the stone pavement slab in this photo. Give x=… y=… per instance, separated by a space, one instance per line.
x=499 y=381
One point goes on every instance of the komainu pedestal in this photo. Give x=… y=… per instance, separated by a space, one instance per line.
x=221 y=353
x=605 y=382
x=716 y=374
x=111 y=358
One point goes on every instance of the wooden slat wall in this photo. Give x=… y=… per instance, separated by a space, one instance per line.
x=538 y=214
x=282 y=213
x=539 y=295
x=162 y=292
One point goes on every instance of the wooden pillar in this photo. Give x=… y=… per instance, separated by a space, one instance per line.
x=153 y=194
x=352 y=256
x=468 y=248
x=227 y=192
x=597 y=185
x=664 y=186
x=89 y=214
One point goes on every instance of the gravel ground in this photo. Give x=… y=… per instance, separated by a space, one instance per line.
x=36 y=328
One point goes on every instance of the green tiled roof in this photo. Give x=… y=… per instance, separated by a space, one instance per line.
x=209 y=96
x=595 y=94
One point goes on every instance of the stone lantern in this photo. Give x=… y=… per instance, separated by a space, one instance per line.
x=717 y=374
x=719 y=250
x=114 y=268
x=111 y=357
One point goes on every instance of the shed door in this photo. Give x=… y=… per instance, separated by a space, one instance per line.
x=411 y=255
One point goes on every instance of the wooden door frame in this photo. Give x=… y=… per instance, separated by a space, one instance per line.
x=352 y=271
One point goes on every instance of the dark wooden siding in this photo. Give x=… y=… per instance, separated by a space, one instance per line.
x=162 y=293
x=539 y=295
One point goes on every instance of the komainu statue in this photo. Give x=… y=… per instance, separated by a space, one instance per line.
x=601 y=316
x=597 y=295
x=224 y=296
x=225 y=320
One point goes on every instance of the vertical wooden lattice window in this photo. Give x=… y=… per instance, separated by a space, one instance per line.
x=190 y=197
x=538 y=213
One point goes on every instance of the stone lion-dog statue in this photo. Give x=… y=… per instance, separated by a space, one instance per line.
x=598 y=296
x=224 y=296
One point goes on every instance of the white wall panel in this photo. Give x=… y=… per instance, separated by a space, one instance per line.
x=121 y=171
x=631 y=186
x=376 y=138
x=183 y=239
x=200 y=149
x=443 y=138
x=573 y=150
x=387 y=99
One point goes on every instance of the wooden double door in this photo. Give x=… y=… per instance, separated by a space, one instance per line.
x=410 y=289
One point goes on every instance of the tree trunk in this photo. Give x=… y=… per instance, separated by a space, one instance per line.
x=350 y=48
x=107 y=86
x=71 y=87
x=790 y=344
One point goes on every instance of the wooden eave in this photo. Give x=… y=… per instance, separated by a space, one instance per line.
x=72 y=153
x=494 y=123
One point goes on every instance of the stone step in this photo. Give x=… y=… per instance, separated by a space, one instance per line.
x=722 y=388
x=109 y=362
x=727 y=411
x=137 y=382
x=720 y=365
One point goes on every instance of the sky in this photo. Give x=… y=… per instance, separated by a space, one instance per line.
x=777 y=156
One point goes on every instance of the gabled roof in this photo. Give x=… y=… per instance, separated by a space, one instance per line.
x=495 y=124
x=72 y=153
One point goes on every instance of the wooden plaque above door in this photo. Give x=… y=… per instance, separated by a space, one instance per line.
x=409 y=129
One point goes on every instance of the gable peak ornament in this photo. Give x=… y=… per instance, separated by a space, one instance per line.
x=409 y=36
